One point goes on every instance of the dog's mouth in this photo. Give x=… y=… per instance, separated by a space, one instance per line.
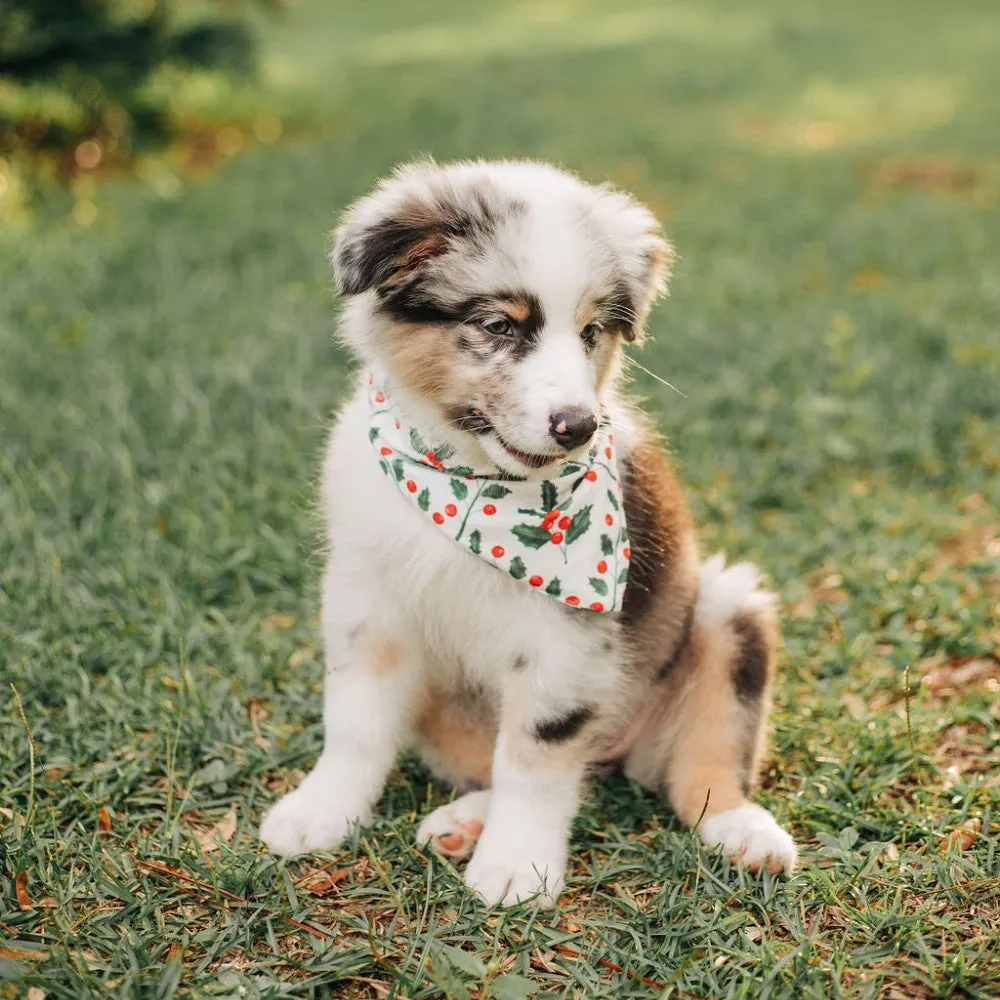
x=479 y=424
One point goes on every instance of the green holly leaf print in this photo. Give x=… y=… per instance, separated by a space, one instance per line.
x=571 y=469
x=613 y=499
x=494 y=491
x=607 y=546
x=424 y=499
x=372 y=433
x=532 y=535
x=397 y=469
x=417 y=441
x=459 y=488
x=517 y=568
x=599 y=586
x=580 y=525
x=554 y=589
x=384 y=465
x=444 y=451
x=550 y=495
x=462 y=470
x=476 y=542
x=623 y=576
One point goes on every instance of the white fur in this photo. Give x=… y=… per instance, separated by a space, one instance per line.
x=751 y=835
x=725 y=591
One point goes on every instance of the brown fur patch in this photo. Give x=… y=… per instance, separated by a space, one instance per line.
x=663 y=571
x=380 y=654
x=456 y=737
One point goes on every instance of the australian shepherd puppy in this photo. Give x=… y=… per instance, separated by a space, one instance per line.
x=513 y=586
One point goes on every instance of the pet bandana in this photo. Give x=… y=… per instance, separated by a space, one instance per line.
x=564 y=536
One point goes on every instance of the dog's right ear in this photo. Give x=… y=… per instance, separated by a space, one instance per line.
x=386 y=237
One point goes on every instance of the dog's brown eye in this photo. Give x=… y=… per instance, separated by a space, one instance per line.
x=591 y=331
x=497 y=326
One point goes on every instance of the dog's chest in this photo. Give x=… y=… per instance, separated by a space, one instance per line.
x=469 y=619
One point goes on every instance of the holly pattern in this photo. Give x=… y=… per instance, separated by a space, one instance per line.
x=565 y=537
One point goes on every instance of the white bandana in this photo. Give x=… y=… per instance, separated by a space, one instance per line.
x=565 y=536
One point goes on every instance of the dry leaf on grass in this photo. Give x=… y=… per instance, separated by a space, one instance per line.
x=276 y=622
x=104 y=819
x=211 y=838
x=322 y=883
x=6 y=813
x=36 y=993
x=962 y=838
x=945 y=678
x=21 y=890
x=854 y=704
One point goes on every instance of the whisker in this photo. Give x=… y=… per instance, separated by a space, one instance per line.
x=658 y=378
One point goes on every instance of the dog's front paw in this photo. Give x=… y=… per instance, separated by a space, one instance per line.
x=504 y=877
x=751 y=836
x=304 y=821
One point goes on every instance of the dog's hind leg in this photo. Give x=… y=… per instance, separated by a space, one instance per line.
x=454 y=829
x=704 y=746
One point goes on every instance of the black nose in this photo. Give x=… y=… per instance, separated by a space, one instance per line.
x=573 y=426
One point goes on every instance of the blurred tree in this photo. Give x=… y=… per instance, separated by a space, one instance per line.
x=76 y=70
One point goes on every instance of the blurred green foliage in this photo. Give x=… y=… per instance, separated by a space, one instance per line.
x=77 y=70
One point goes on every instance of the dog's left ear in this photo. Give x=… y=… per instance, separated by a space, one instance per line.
x=645 y=257
x=410 y=218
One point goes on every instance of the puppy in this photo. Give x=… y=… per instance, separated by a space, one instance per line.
x=513 y=586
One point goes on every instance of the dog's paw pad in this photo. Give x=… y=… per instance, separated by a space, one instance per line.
x=750 y=835
x=453 y=830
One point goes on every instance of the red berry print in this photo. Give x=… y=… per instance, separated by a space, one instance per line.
x=552 y=514
x=385 y=451
x=602 y=567
x=627 y=552
x=411 y=485
x=396 y=423
x=608 y=520
x=433 y=459
x=611 y=439
x=450 y=509
x=597 y=606
x=591 y=476
x=565 y=522
x=489 y=510
x=498 y=551
x=379 y=397
x=607 y=452
x=548 y=522
x=557 y=537
x=572 y=599
x=535 y=581
x=438 y=517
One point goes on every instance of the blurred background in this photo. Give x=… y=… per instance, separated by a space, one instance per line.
x=169 y=172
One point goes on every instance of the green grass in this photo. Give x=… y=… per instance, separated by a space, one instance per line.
x=831 y=177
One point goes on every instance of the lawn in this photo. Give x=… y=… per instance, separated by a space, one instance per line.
x=830 y=175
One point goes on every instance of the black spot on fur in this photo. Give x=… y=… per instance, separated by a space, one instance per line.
x=466 y=418
x=678 y=650
x=415 y=303
x=617 y=311
x=559 y=730
x=750 y=669
x=419 y=231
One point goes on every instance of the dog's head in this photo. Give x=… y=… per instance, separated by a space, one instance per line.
x=500 y=293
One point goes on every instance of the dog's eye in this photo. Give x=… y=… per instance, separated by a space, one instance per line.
x=497 y=326
x=591 y=331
